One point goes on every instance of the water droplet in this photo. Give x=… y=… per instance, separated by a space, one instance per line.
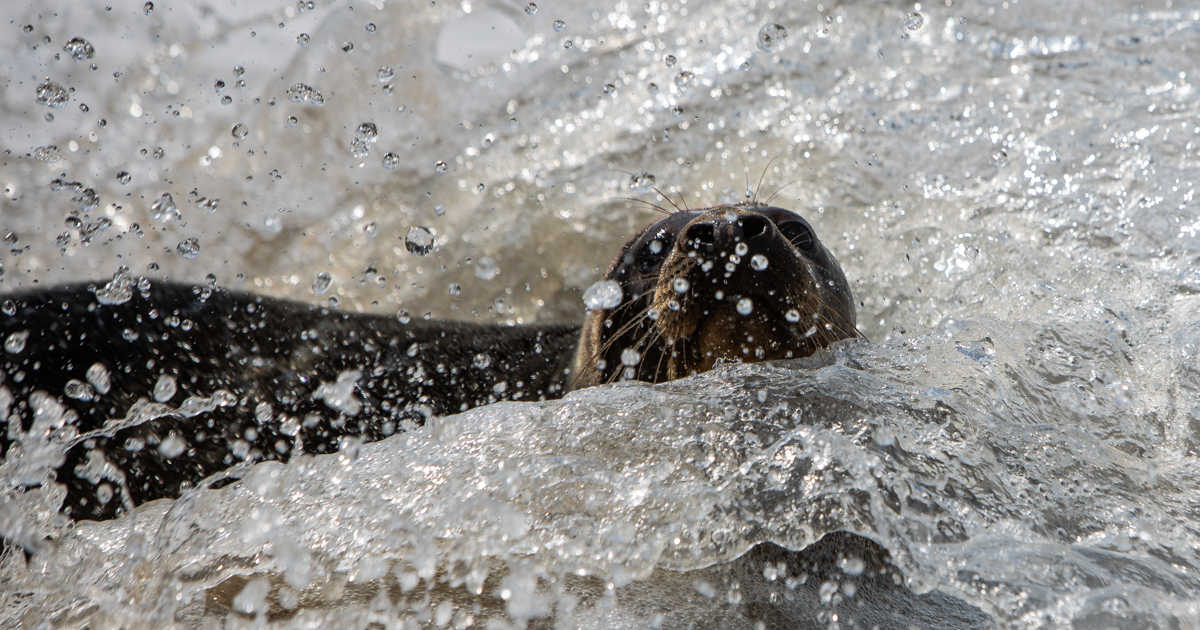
x=48 y=154
x=52 y=95
x=321 y=282
x=455 y=289
x=684 y=78
x=238 y=71
x=758 y=262
x=481 y=361
x=301 y=93
x=486 y=269
x=559 y=26
x=670 y=60
x=78 y=390
x=79 y=49
x=148 y=8
x=240 y=131
x=603 y=294
x=158 y=153
x=385 y=74
x=370 y=27
x=164 y=209
x=609 y=88
x=364 y=136
x=117 y=291
x=1000 y=158
x=440 y=167
x=99 y=377
x=745 y=306
x=391 y=160
x=641 y=182
x=792 y=315
x=630 y=357
x=15 y=342
x=913 y=21
x=188 y=248
x=124 y=177
x=348 y=47
x=302 y=39
x=28 y=28
x=530 y=8
x=772 y=38
x=292 y=120
x=9 y=307
x=164 y=388
x=745 y=66
x=741 y=249
x=568 y=44
x=218 y=85
x=677 y=111
x=418 y=241
x=681 y=285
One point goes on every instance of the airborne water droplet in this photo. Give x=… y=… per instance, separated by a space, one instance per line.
x=745 y=306
x=418 y=241
x=15 y=342
x=559 y=25
x=240 y=131
x=758 y=262
x=164 y=209
x=188 y=248
x=52 y=95
x=913 y=21
x=440 y=167
x=321 y=282
x=772 y=38
x=391 y=160
x=301 y=93
x=148 y=8
x=385 y=74
x=530 y=8
x=302 y=39
x=603 y=294
x=792 y=315
x=79 y=49
x=164 y=388
x=124 y=177
x=681 y=285
x=641 y=182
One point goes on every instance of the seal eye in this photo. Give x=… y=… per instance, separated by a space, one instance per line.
x=652 y=256
x=799 y=234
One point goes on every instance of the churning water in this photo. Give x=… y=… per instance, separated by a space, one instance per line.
x=1008 y=185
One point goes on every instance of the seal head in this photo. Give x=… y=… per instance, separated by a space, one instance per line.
x=733 y=282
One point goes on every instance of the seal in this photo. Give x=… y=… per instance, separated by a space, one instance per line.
x=155 y=387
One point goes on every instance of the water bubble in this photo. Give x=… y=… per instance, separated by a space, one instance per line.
x=418 y=241
x=914 y=21
x=684 y=78
x=79 y=49
x=348 y=47
x=745 y=306
x=391 y=160
x=455 y=289
x=559 y=26
x=603 y=294
x=681 y=285
x=321 y=282
x=530 y=8
x=302 y=39
x=641 y=182
x=758 y=262
x=370 y=27
x=48 y=154
x=15 y=342
x=670 y=60
x=124 y=177
x=52 y=95
x=164 y=388
x=440 y=167
x=188 y=248
x=148 y=8
x=164 y=209
x=99 y=377
x=240 y=131
x=772 y=38
x=385 y=74
x=486 y=269
x=792 y=315
x=301 y=93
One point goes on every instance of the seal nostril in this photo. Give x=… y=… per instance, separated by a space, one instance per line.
x=752 y=226
x=701 y=234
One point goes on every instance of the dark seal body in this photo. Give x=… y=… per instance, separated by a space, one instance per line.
x=156 y=387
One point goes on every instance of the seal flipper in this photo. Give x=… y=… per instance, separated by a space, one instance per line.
x=276 y=377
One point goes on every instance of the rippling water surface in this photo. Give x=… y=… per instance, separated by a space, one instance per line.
x=1009 y=186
